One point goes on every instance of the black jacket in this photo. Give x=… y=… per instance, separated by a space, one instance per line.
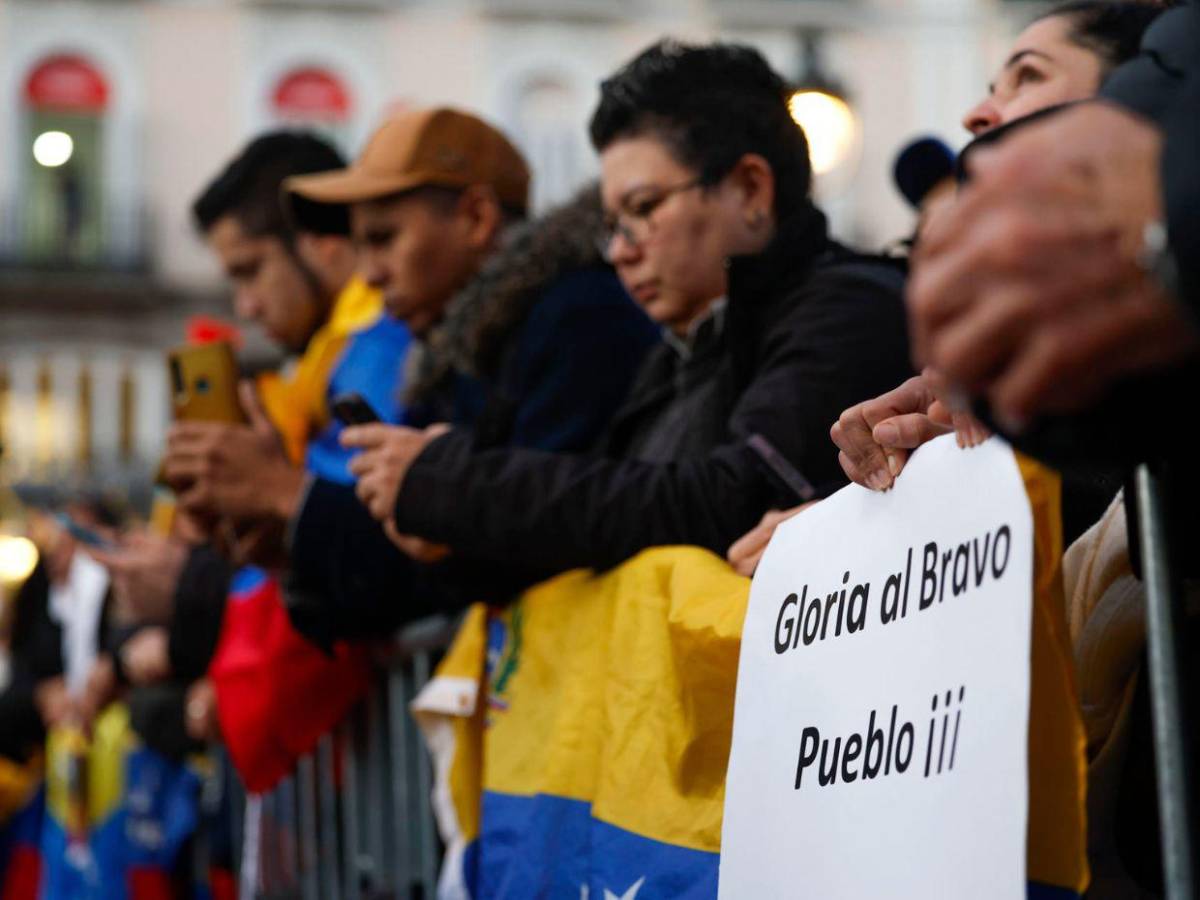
x=809 y=330
x=199 y=611
x=1163 y=84
x=537 y=352
x=34 y=654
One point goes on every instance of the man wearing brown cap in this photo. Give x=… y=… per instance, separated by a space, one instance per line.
x=525 y=337
x=434 y=185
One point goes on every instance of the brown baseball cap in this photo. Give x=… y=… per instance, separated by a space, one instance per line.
x=436 y=146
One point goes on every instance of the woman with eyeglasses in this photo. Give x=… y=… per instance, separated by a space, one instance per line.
x=770 y=330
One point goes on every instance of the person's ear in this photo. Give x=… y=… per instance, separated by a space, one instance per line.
x=480 y=213
x=753 y=182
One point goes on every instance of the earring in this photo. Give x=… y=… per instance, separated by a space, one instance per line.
x=757 y=217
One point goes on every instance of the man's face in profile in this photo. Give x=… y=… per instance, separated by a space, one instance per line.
x=270 y=288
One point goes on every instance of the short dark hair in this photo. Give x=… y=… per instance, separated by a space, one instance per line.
x=1111 y=29
x=710 y=104
x=248 y=188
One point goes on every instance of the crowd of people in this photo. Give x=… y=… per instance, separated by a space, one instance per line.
x=680 y=354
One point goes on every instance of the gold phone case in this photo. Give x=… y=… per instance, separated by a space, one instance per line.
x=204 y=381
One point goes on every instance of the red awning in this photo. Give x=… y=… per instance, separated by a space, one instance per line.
x=311 y=93
x=66 y=83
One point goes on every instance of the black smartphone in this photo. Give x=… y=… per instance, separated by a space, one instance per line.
x=780 y=471
x=351 y=409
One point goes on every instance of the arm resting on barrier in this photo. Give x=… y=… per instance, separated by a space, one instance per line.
x=841 y=339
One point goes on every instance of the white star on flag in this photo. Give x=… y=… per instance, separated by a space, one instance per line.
x=630 y=894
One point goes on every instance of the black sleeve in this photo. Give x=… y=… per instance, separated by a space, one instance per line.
x=346 y=579
x=843 y=341
x=1162 y=83
x=1181 y=188
x=35 y=649
x=22 y=733
x=199 y=610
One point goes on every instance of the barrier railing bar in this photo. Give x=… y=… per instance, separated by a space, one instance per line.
x=377 y=779
x=428 y=847
x=310 y=868
x=268 y=872
x=1164 y=616
x=287 y=836
x=251 y=850
x=328 y=820
x=398 y=723
x=237 y=810
x=350 y=808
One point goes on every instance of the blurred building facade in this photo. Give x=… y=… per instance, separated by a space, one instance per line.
x=99 y=263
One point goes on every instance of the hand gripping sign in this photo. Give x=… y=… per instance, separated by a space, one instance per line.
x=882 y=715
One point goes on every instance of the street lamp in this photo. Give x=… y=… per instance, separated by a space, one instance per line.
x=18 y=557
x=819 y=106
x=53 y=148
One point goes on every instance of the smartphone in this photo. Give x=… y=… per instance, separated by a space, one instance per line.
x=779 y=470
x=351 y=409
x=204 y=383
x=82 y=533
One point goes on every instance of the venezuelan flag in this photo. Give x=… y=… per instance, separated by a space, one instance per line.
x=117 y=814
x=580 y=736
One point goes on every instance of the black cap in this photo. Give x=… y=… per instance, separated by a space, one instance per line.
x=921 y=166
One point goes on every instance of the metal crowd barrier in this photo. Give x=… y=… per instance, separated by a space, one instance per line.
x=354 y=821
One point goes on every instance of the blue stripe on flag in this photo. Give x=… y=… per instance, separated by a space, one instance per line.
x=544 y=846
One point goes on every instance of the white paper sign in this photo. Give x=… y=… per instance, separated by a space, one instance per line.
x=879 y=737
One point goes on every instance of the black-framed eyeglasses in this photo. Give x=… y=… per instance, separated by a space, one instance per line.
x=635 y=224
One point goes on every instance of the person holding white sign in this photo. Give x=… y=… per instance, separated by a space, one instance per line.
x=1063 y=56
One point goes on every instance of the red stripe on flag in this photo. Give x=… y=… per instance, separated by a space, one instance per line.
x=24 y=875
x=149 y=884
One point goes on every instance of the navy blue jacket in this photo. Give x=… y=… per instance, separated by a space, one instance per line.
x=563 y=372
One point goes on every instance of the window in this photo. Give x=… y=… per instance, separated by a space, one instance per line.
x=548 y=128
x=313 y=98
x=62 y=214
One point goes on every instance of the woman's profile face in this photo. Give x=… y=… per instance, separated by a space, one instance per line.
x=674 y=234
x=1044 y=69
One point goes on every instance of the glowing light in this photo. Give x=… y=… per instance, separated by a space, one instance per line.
x=828 y=123
x=53 y=148
x=18 y=556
